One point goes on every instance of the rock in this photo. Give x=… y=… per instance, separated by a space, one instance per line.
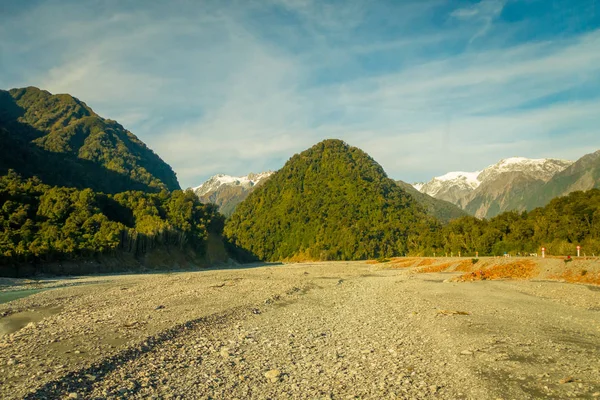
x=273 y=375
x=159 y=307
x=73 y=395
x=466 y=353
x=224 y=352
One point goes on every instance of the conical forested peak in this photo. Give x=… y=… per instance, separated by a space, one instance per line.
x=332 y=201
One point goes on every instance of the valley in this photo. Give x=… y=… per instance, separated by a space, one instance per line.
x=407 y=328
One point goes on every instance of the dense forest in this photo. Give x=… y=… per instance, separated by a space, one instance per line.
x=42 y=224
x=330 y=202
x=559 y=227
x=59 y=139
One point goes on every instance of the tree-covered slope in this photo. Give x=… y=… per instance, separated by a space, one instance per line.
x=330 y=202
x=560 y=227
x=41 y=224
x=440 y=209
x=63 y=142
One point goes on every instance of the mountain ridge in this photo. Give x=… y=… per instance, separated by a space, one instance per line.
x=497 y=188
x=64 y=142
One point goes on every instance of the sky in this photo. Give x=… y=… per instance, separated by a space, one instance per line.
x=424 y=86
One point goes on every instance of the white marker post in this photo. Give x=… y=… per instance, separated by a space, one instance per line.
x=543 y=252
x=578 y=250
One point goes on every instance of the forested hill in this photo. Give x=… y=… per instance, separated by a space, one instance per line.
x=40 y=225
x=330 y=202
x=560 y=227
x=59 y=139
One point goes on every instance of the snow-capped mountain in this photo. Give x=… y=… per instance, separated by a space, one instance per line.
x=228 y=191
x=215 y=182
x=541 y=168
x=492 y=190
x=452 y=186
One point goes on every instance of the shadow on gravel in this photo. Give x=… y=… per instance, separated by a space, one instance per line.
x=83 y=380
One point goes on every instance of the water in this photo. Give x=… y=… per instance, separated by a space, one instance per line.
x=17 y=321
x=5 y=297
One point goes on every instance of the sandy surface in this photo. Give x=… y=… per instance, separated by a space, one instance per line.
x=315 y=330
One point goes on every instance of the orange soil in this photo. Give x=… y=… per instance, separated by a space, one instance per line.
x=522 y=269
x=579 y=276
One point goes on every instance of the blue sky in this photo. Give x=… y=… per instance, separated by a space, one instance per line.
x=425 y=87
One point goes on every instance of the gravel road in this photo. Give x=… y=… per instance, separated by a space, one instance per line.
x=317 y=330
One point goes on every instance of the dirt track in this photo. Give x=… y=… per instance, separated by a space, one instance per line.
x=320 y=330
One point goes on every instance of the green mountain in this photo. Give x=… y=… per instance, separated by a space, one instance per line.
x=330 y=202
x=59 y=139
x=584 y=174
x=440 y=209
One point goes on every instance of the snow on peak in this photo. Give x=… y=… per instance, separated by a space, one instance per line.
x=468 y=177
x=460 y=179
x=541 y=168
x=219 y=180
x=418 y=185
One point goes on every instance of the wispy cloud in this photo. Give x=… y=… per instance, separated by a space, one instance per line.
x=482 y=15
x=233 y=87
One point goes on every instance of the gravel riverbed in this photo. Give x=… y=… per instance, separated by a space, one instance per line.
x=338 y=330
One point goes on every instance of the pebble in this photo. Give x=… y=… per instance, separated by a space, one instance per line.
x=224 y=352
x=273 y=375
x=466 y=353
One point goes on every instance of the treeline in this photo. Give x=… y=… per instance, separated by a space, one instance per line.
x=559 y=227
x=41 y=223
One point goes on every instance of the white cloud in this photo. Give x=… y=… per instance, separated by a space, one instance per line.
x=211 y=92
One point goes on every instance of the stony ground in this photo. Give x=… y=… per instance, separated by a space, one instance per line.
x=317 y=331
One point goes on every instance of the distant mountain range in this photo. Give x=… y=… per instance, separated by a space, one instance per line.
x=516 y=183
x=228 y=191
